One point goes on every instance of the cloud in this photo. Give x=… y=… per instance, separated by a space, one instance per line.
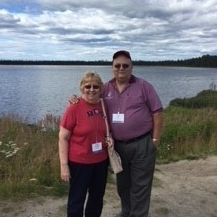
x=93 y=30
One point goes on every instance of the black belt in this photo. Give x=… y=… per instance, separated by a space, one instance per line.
x=134 y=139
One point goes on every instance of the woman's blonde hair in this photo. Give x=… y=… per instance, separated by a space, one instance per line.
x=91 y=76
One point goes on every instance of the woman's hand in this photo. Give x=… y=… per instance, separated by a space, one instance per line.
x=110 y=143
x=65 y=173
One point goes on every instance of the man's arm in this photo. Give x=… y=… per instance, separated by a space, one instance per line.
x=157 y=127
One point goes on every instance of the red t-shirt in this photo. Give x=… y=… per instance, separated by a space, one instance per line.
x=87 y=126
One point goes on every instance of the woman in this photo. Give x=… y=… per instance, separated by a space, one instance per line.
x=83 y=150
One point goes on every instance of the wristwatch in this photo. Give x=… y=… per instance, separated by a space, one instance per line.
x=155 y=140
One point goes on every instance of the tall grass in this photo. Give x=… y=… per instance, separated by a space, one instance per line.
x=190 y=127
x=188 y=134
x=29 y=162
x=33 y=167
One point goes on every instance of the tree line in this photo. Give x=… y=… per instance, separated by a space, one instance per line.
x=204 y=61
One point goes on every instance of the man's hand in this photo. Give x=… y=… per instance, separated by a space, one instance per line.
x=73 y=99
x=156 y=142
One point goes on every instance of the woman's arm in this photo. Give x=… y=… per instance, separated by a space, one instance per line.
x=64 y=135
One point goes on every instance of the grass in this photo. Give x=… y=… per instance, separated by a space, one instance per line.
x=190 y=130
x=188 y=134
x=29 y=162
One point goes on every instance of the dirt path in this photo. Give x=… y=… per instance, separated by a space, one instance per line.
x=181 y=189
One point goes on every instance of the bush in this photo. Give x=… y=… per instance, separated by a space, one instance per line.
x=204 y=99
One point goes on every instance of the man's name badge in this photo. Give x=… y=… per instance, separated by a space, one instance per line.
x=96 y=147
x=118 y=118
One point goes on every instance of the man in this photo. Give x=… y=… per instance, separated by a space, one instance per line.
x=136 y=117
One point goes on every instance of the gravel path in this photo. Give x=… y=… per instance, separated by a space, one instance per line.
x=185 y=188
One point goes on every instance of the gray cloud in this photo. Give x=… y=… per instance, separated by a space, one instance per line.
x=93 y=30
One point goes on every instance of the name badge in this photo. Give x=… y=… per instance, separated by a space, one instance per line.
x=96 y=147
x=118 y=118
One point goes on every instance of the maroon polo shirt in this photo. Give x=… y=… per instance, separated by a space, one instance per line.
x=138 y=102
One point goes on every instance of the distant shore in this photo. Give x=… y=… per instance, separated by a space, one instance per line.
x=206 y=61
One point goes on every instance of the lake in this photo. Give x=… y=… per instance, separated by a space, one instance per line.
x=34 y=91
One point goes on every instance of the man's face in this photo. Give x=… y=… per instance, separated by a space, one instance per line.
x=122 y=69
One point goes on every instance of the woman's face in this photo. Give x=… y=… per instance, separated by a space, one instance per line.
x=91 y=91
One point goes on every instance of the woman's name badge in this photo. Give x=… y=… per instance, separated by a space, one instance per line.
x=118 y=118
x=96 y=147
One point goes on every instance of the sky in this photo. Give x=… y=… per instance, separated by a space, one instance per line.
x=92 y=30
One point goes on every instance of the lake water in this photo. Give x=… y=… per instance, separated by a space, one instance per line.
x=34 y=91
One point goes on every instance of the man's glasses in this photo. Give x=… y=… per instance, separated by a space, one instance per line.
x=124 y=66
x=95 y=87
